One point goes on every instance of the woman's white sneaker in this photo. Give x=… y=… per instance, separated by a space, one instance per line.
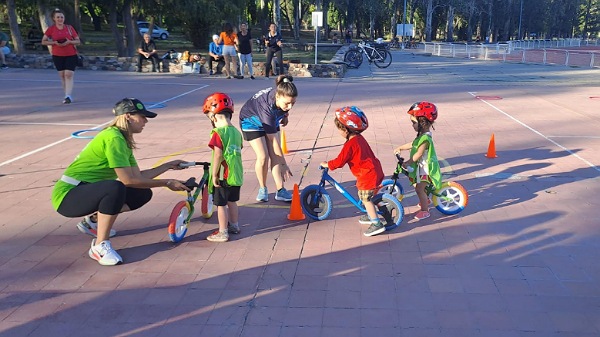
x=104 y=253
x=89 y=227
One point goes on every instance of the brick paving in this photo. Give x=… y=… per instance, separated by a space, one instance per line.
x=520 y=261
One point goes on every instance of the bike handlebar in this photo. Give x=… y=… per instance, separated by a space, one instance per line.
x=193 y=163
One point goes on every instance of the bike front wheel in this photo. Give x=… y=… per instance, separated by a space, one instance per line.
x=353 y=58
x=382 y=58
x=396 y=190
x=178 y=221
x=451 y=198
x=206 y=203
x=388 y=208
x=316 y=203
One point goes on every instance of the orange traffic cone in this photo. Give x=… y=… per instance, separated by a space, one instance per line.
x=296 y=209
x=283 y=143
x=491 y=152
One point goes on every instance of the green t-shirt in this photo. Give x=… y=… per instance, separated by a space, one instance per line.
x=96 y=162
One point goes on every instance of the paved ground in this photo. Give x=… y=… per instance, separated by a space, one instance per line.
x=520 y=261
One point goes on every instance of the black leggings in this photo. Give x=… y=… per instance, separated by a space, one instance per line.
x=279 y=55
x=106 y=197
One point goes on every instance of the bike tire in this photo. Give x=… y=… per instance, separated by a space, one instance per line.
x=396 y=190
x=316 y=203
x=353 y=58
x=453 y=198
x=178 y=224
x=385 y=62
x=206 y=203
x=388 y=208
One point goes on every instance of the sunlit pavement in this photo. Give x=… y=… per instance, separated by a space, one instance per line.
x=520 y=260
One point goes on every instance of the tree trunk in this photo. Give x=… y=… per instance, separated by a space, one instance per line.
x=77 y=20
x=450 y=24
x=15 y=32
x=130 y=30
x=96 y=20
x=45 y=19
x=471 y=14
x=117 y=34
x=428 y=19
x=297 y=19
x=277 y=14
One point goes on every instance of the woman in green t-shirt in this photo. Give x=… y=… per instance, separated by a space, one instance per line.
x=105 y=180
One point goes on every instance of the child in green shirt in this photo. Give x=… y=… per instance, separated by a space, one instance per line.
x=227 y=171
x=423 y=162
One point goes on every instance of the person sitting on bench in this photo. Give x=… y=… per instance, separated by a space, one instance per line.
x=147 y=50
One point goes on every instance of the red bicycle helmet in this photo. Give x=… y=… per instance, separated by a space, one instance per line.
x=424 y=109
x=218 y=102
x=353 y=118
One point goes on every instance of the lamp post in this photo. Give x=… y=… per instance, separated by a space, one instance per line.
x=403 y=24
x=520 y=19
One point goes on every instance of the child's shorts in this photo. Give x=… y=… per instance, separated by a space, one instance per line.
x=366 y=195
x=424 y=178
x=225 y=193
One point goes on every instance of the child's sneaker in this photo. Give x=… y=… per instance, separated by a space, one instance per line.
x=375 y=229
x=422 y=215
x=233 y=228
x=263 y=194
x=217 y=236
x=283 y=195
x=89 y=227
x=104 y=253
x=364 y=220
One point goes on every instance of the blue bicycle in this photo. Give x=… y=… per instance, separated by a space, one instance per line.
x=316 y=202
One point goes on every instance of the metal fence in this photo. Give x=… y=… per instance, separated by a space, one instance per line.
x=556 y=52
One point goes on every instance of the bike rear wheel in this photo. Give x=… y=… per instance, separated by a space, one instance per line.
x=178 y=223
x=451 y=198
x=382 y=58
x=353 y=58
x=389 y=210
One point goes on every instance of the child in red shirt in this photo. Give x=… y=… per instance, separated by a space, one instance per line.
x=357 y=153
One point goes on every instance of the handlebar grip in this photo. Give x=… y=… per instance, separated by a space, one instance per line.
x=191 y=183
x=187 y=164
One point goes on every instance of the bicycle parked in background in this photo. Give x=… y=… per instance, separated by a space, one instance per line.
x=375 y=53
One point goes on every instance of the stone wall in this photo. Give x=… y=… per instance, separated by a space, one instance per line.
x=334 y=69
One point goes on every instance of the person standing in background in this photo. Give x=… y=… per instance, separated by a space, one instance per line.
x=273 y=43
x=245 y=50
x=3 y=44
x=63 y=39
x=229 y=40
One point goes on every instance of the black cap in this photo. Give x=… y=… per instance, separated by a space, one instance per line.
x=132 y=106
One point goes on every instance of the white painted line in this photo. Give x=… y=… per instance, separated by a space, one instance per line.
x=537 y=132
x=587 y=137
x=97 y=126
x=111 y=82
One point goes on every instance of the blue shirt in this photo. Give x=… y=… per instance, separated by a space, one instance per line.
x=260 y=113
x=215 y=48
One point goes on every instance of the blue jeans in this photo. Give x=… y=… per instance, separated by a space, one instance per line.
x=246 y=59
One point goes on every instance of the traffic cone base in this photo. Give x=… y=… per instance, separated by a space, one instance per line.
x=296 y=209
x=491 y=152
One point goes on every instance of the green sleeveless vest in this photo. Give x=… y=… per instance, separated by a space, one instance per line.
x=432 y=162
x=232 y=153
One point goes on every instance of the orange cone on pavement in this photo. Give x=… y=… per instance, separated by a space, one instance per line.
x=296 y=209
x=491 y=152
x=283 y=143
